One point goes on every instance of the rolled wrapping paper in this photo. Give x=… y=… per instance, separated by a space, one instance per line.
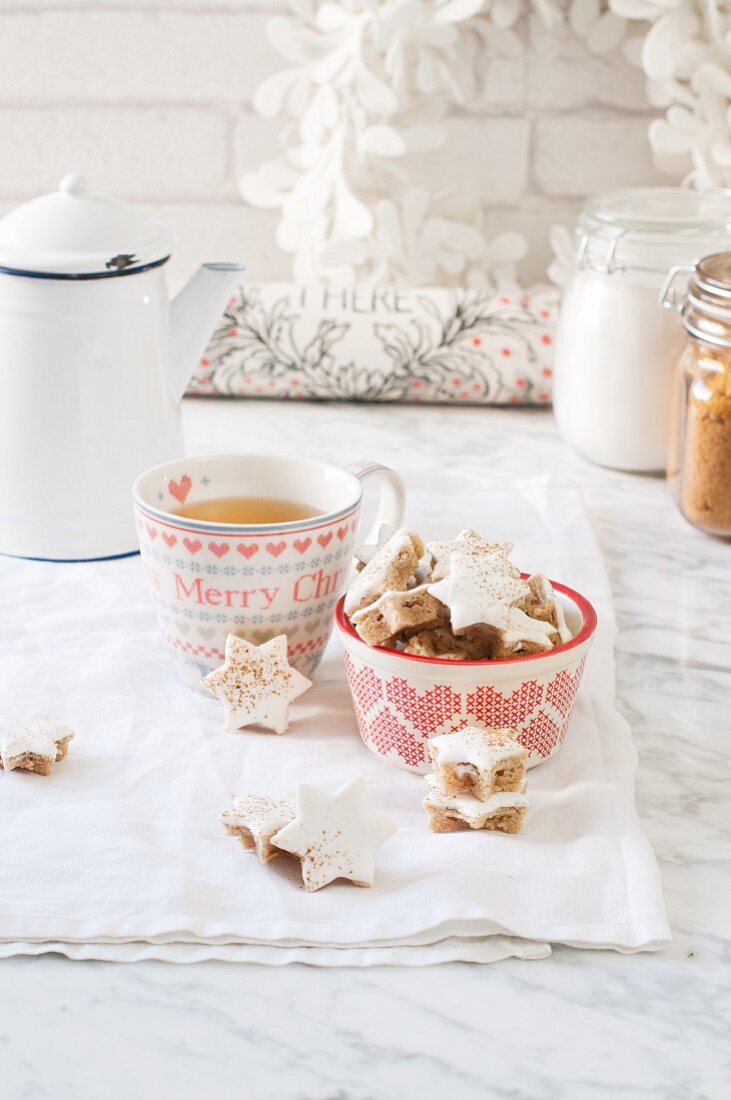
x=435 y=344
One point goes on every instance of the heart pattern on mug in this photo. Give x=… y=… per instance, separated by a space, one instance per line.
x=247 y=550
x=195 y=567
x=180 y=489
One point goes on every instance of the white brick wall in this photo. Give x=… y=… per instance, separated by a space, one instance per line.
x=152 y=100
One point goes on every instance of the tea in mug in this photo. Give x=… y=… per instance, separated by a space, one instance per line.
x=248 y=510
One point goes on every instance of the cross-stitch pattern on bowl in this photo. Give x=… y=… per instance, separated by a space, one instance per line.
x=401 y=701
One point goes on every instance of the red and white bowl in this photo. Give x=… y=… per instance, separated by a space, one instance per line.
x=401 y=701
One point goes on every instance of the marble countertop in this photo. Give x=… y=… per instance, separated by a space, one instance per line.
x=577 y=1025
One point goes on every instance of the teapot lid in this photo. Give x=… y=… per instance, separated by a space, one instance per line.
x=77 y=233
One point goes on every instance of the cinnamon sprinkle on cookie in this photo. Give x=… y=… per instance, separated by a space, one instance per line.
x=256 y=684
x=454 y=600
x=32 y=744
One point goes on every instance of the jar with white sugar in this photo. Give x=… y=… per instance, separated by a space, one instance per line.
x=616 y=350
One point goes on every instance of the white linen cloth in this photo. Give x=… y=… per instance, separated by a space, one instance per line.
x=119 y=853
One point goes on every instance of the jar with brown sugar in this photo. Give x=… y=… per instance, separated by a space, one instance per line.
x=699 y=468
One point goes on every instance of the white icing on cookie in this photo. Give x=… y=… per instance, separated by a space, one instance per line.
x=544 y=590
x=35 y=736
x=384 y=600
x=483 y=749
x=469 y=808
x=470 y=542
x=256 y=684
x=479 y=589
x=521 y=628
x=368 y=550
x=255 y=819
x=335 y=835
x=390 y=568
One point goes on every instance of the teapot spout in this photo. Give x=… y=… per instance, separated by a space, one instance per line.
x=194 y=313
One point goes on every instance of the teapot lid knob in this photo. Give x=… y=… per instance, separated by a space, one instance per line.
x=74 y=184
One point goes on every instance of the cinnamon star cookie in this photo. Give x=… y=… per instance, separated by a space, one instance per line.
x=256 y=684
x=470 y=542
x=479 y=589
x=368 y=550
x=389 y=570
x=335 y=835
x=254 y=819
x=32 y=744
x=478 y=762
x=503 y=811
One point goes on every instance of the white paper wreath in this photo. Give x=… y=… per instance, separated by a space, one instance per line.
x=369 y=83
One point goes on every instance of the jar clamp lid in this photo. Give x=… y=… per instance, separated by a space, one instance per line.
x=706 y=307
x=651 y=228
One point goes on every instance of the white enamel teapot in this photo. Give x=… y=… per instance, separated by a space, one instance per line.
x=94 y=360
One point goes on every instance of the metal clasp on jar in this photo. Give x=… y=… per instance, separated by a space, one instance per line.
x=604 y=263
x=669 y=299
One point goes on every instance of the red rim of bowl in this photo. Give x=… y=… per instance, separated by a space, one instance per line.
x=588 y=626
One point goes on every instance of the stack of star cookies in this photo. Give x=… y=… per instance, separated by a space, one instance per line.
x=332 y=835
x=458 y=600
x=478 y=781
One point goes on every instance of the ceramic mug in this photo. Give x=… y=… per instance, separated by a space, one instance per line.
x=258 y=580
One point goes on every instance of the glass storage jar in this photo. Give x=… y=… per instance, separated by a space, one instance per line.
x=615 y=350
x=699 y=467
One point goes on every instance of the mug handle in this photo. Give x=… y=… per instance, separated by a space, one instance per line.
x=393 y=494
